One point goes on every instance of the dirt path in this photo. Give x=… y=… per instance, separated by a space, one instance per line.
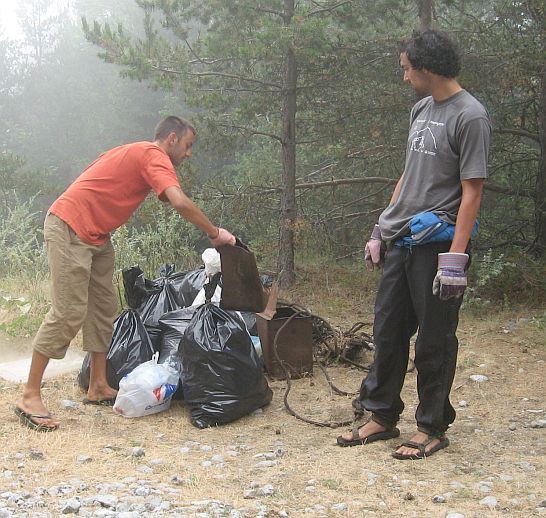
x=271 y=464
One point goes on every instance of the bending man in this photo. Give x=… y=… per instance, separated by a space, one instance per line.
x=81 y=257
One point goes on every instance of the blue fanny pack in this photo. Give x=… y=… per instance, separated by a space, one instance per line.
x=427 y=227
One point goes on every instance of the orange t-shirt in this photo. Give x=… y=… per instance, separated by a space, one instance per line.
x=107 y=193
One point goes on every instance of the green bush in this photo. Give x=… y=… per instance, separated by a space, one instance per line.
x=21 y=240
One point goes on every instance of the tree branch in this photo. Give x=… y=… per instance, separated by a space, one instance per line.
x=328 y=9
x=252 y=131
x=519 y=132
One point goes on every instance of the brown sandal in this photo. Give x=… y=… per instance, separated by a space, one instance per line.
x=422 y=446
x=356 y=440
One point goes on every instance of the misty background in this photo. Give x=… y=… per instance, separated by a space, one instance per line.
x=301 y=114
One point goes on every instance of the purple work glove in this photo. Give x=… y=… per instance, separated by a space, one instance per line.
x=374 y=252
x=450 y=280
x=223 y=238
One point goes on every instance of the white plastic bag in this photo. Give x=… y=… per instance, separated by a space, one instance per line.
x=213 y=265
x=146 y=390
x=211 y=260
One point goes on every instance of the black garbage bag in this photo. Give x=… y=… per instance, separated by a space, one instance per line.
x=250 y=321
x=159 y=297
x=173 y=325
x=190 y=286
x=130 y=346
x=222 y=376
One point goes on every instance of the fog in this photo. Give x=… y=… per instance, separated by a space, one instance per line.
x=61 y=105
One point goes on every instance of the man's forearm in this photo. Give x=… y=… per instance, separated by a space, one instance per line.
x=190 y=211
x=396 y=191
x=468 y=212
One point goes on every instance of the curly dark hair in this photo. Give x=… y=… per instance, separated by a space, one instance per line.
x=432 y=50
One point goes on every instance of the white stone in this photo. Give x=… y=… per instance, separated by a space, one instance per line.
x=479 y=378
x=489 y=501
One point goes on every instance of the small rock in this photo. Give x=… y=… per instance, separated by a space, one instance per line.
x=454 y=515
x=539 y=423
x=36 y=454
x=142 y=491
x=479 y=378
x=543 y=503
x=68 y=404
x=463 y=403
x=138 y=452
x=266 y=464
x=372 y=478
x=266 y=490
x=489 y=501
x=409 y=496
x=206 y=447
x=439 y=499
x=342 y=506
x=83 y=459
x=109 y=501
x=72 y=506
x=512 y=427
x=257 y=412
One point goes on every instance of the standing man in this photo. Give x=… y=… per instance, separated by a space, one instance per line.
x=426 y=229
x=81 y=257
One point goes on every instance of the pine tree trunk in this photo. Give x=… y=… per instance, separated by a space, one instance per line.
x=288 y=197
x=425 y=13
x=540 y=246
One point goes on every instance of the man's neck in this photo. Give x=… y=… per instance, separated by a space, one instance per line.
x=443 y=88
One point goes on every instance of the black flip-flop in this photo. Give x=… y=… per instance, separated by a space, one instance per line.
x=100 y=402
x=27 y=420
x=421 y=446
x=356 y=440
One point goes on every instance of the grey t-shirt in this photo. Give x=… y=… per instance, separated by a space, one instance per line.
x=448 y=142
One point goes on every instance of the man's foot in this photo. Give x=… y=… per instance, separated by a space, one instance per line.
x=369 y=432
x=101 y=393
x=420 y=446
x=31 y=410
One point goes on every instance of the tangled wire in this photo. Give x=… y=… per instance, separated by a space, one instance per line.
x=329 y=346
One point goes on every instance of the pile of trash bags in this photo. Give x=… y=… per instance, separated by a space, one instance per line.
x=174 y=341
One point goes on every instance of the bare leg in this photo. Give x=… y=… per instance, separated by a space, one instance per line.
x=31 y=400
x=98 y=384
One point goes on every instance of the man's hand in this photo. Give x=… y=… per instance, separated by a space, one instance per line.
x=374 y=252
x=223 y=237
x=450 y=280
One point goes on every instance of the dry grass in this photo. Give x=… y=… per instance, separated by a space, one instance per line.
x=507 y=347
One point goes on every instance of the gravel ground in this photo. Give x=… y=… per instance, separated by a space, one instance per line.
x=270 y=464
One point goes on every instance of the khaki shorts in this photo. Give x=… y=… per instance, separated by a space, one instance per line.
x=82 y=292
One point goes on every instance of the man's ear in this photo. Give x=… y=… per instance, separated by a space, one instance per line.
x=172 y=138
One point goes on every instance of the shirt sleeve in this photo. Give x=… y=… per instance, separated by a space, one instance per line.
x=474 y=140
x=159 y=173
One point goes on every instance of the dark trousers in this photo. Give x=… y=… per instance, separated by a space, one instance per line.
x=405 y=304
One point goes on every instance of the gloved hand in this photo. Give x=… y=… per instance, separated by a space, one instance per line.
x=223 y=238
x=374 y=252
x=450 y=280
